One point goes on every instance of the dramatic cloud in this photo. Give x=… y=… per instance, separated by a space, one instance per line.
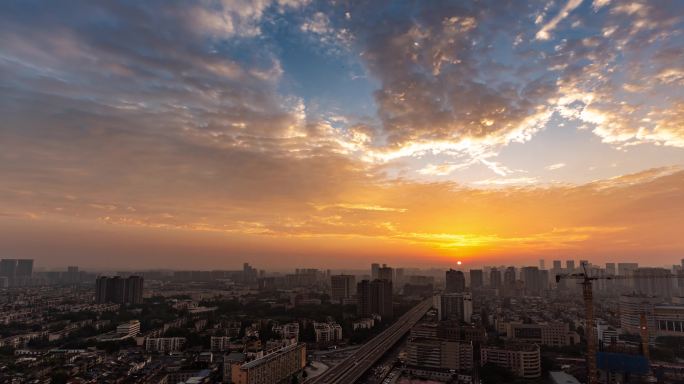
x=302 y=127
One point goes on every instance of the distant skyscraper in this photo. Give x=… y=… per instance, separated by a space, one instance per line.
x=495 y=278
x=455 y=281
x=375 y=267
x=374 y=297
x=249 y=274
x=381 y=298
x=542 y=264
x=119 y=290
x=363 y=298
x=73 y=275
x=386 y=273
x=398 y=278
x=625 y=269
x=509 y=281
x=342 y=287
x=24 y=268
x=570 y=265
x=653 y=282
x=557 y=266
x=16 y=271
x=134 y=290
x=8 y=268
x=532 y=279
x=610 y=269
x=476 y=278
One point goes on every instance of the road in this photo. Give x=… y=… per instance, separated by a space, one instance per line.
x=354 y=366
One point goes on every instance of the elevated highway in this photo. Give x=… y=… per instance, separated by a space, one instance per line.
x=356 y=364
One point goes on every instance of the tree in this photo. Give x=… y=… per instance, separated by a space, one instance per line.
x=494 y=374
x=59 y=377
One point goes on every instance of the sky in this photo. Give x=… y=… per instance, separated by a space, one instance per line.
x=286 y=133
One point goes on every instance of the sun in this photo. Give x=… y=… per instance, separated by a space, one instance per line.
x=459 y=262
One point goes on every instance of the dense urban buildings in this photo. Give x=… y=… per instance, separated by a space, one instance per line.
x=491 y=323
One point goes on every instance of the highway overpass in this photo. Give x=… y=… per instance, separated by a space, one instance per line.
x=354 y=366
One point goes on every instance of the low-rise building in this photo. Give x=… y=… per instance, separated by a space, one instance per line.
x=523 y=360
x=553 y=334
x=327 y=332
x=272 y=368
x=164 y=344
x=439 y=354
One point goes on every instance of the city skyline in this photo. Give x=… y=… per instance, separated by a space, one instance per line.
x=299 y=132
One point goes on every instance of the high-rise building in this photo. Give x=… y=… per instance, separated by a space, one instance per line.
x=386 y=273
x=610 y=269
x=24 y=268
x=8 y=268
x=375 y=267
x=398 y=278
x=249 y=274
x=557 y=265
x=381 y=298
x=653 y=282
x=532 y=279
x=119 y=290
x=342 y=287
x=134 y=290
x=509 y=280
x=542 y=264
x=454 y=306
x=626 y=269
x=73 y=275
x=363 y=300
x=476 y=278
x=455 y=281
x=374 y=297
x=570 y=265
x=495 y=278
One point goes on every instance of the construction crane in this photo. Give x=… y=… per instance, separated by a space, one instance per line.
x=588 y=295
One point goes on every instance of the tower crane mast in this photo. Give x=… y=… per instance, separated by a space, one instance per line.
x=588 y=295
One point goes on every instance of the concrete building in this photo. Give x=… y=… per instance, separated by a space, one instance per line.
x=117 y=289
x=570 y=266
x=342 y=287
x=455 y=281
x=439 y=354
x=274 y=367
x=553 y=334
x=524 y=360
x=533 y=281
x=374 y=297
x=476 y=279
x=287 y=331
x=631 y=309
x=128 y=329
x=327 y=332
x=669 y=320
x=164 y=344
x=386 y=273
x=454 y=306
x=495 y=278
x=219 y=343
x=653 y=282
x=375 y=267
